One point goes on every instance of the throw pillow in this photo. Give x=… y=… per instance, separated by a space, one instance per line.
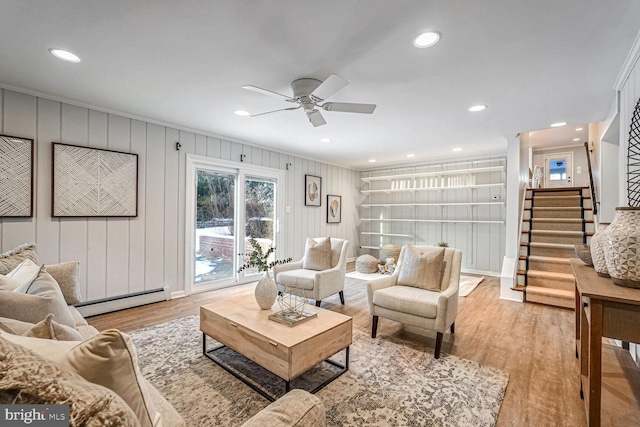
x=7 y=283
x=67 y=275
x=10 y=259
x=317 y=255
x=26 y=378
x=110 y=359
x=25 y=272
x=46 y=329
x=32 y=302
x=422 y=269
x=52 y=350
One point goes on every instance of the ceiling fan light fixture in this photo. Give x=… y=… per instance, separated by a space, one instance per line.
x=427 y=39
x=241 y=113
x=558 y=124
x=477 y=108
x=65 y=55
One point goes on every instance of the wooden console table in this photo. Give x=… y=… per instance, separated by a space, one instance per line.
x=602 y=310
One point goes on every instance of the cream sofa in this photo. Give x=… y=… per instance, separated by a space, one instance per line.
x=23 y=356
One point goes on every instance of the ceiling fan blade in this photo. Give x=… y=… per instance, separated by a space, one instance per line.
x=316 y=118
x=331 y=85
x=275 y=111
x=348 y=107
x=267 y=92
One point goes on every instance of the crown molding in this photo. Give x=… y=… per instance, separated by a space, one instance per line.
x=629 y=63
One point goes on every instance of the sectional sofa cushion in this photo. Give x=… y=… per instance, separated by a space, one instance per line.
x=46 y=329
x=27 y=378
x=10 y=259
x=67 y=276
x=32 y=302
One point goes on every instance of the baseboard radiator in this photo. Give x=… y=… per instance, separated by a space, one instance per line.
x=107 y=305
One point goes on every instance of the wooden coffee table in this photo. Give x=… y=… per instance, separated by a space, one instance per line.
x=239 y=324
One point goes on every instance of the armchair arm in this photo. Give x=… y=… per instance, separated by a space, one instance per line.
x=328 y=282
x=277 y=269
x=376 y=284
x=448 y=301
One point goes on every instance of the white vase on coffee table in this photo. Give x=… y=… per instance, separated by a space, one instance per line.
x=266 y=291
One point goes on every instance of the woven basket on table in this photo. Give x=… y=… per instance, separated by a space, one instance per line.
x=389 y=251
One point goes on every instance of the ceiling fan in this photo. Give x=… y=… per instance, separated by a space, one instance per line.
x=310 y=95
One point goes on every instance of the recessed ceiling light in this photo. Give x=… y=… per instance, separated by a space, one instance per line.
x=241 y=113
x=427 y=39
x=558 y=124
x=576 y=139
x=64 y=55
x=478 y=108
x=372 y=160
x=457 y=149
x=578 y=129
x=325 y=139
x=411 y=155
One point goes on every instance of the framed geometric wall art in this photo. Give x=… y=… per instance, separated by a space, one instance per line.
x=16 y=177
x=93 y=182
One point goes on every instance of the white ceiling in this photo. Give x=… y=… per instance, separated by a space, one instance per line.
x=184 y=62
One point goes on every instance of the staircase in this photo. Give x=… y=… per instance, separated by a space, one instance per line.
x=554 y=219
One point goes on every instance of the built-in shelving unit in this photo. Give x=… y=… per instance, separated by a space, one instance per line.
x=460 y=203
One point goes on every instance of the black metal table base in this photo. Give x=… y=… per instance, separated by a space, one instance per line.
x=287 y=384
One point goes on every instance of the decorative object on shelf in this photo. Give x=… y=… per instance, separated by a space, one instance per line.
x=633 y=159
x=621 y=243
x=597 y=251
x=93 y=182
x=584 y=253
x=312 y=190
x=366 y=264
x=266 y=289
x=389 y=251
x=537 y=177
x=293 y=307
x=443 y=244
x=334 y=208
x=16 y=177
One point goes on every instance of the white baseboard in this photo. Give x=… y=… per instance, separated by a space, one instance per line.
x=178 y=294
x=107 y=305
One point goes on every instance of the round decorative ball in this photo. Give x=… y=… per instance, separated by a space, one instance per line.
x=584 y=253
x=390 y=251
x=366 y=264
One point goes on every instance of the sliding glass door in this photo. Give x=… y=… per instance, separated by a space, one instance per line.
x=227 y=205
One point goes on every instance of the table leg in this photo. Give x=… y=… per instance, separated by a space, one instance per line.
x=595 y=363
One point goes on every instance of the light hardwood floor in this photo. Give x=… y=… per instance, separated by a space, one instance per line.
x=533 y=343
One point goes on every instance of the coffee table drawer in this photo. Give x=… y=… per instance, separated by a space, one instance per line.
x=269 y=354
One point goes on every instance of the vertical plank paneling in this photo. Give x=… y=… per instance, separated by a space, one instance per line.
x=97 y=227
x=213 y=147
x=154 y=207
x=172 y=158
x=189 y=143
x=201 y=145
x=137 y=225
x=74 y=129
x=118 y=245
x=48 y=228
x=235 y=151
x=19 y=120
x=225 y=150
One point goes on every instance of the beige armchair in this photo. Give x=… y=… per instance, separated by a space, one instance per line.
x=434 y=310
x=316 y=284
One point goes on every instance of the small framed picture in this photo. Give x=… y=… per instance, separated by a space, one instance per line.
x=312 y=190
x=334 y=208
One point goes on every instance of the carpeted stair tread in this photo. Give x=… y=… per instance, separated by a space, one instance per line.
x=550 y=245
x=559 y=293
x=558 y=208
x=551 y=275
x=556 y=232
x=548 y=296
x=549 y=259
x=563 y=220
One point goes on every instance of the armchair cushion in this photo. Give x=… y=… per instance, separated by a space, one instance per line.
x=408 y=299
x=304 y=279
x=317 y=254
x=422 y=269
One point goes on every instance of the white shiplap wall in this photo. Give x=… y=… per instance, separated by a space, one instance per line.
x=119 y=256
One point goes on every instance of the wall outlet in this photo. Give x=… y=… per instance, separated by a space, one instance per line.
x=287 y=209
x=578 y=169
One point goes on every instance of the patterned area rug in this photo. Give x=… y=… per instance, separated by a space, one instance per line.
x=391 y=382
